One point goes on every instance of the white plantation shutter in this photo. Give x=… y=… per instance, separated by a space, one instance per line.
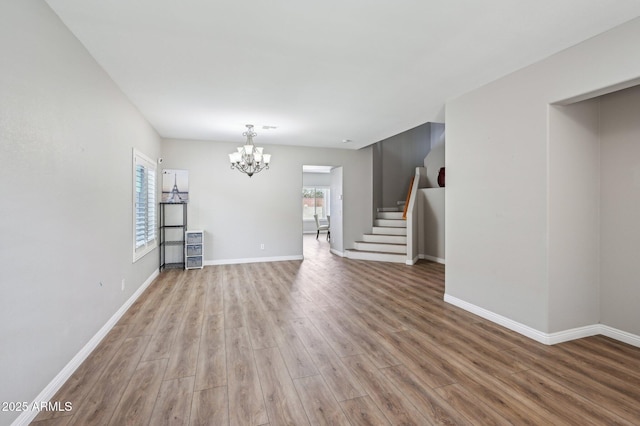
x=151 y=205
x=144 y=209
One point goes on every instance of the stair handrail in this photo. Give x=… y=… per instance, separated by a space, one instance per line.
x=406 y=203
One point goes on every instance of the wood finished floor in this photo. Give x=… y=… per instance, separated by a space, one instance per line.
x=332 y=341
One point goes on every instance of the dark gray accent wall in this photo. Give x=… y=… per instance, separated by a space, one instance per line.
x=395 y=161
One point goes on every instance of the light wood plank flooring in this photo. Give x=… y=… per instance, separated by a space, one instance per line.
x=332 y=341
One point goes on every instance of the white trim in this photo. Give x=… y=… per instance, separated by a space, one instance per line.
x=572 y=334
x=338 y=253
x=251 y=260
x=149 y=246
x=413 y=261
x=546 y=338
x=498 y=319
x=620 y=335
x=432 y=258
x=50 y=390
x=598 y=92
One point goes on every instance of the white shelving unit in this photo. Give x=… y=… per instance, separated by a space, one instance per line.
x=194 y=249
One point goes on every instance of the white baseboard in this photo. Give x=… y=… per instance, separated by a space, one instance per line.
x=412 y=261
x=572 y=334
x=337 y=253
x=50 y=390
x=498 y=319
x=251 y=260
x=620 y=335
x=432 y=258
x=546 y=338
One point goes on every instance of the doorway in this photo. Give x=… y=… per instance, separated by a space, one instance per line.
x=321 y=197
x=594 y=203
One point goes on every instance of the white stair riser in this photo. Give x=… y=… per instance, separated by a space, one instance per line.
x=383 y=248
x=389 y=231
x=391 y=223
x=380 y=257
x=390 y=215
x=391 y=239
x=387 y=242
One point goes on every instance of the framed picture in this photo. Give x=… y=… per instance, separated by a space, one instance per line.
x=175 y=186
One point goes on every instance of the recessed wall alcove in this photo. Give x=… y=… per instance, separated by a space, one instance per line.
x=594 y=210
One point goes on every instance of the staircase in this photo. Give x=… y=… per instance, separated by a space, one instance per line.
x=388 y=240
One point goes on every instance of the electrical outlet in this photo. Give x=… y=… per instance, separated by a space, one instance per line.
x=122 y=284
x=262 y=246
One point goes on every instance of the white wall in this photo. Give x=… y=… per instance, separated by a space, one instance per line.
x=620 y=210
x=337 y=211
x=316 y=179
x=240 y=213
x=66 y=139
x=497 y=204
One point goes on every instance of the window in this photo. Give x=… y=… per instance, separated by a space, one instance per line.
x=144 y=205
x=315 y=200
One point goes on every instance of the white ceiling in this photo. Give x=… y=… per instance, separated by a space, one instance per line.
x=320 y=71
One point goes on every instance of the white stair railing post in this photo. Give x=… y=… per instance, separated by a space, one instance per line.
x=419 y=180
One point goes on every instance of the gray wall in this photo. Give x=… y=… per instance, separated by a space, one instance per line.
x=66 y=140
x=574 y=215
x=594 y=206
x=239 y=213
x=376 y=154
x=498 y=178
x=436 y=157
x=398 y=157
x=431 y=225
x=620 y=210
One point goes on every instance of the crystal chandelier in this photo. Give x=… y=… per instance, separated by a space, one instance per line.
x=249 y=159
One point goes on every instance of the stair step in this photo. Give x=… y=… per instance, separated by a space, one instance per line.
x=380 y=247
x=390 y=223
x=375 y=256
x=385 y=230
x=381 y=238
x=389 y=209
x=390 y=215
